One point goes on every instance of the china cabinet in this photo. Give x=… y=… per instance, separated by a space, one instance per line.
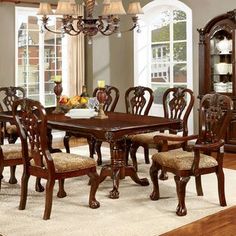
x=217 y=69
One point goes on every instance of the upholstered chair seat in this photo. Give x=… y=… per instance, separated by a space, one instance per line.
x=182 y=160
x=11 y=151
x=66 y=162
x=147 y=138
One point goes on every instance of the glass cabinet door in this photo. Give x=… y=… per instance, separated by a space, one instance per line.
x=221 y=62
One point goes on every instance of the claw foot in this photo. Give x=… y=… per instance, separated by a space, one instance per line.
x=94 y=204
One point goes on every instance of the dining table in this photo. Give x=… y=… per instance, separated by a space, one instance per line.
x=114 y=129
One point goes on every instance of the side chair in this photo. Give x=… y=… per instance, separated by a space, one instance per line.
x=10 y=152
x=138 y=101
x=95 y=145
x=31 y=121
x=177 y=104
x=206 y=156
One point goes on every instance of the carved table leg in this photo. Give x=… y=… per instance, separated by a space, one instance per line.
x=118 y=169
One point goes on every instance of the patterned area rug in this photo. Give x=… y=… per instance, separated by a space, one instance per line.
x=133 y=214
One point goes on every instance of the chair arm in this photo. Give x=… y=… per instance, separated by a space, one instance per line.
x=208 y=146
x=163 y=137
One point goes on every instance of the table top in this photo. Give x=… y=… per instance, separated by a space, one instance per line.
x=114 y=127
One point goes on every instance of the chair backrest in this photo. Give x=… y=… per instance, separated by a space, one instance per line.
x=214 y=116
x=31 y=121
x=113 y=95
x=177 y=104
x=138 y=100
x=8 y=95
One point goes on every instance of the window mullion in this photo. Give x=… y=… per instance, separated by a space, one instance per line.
x=171 y=50
x=41 y=68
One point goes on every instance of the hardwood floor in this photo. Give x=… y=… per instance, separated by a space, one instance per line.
x=221 y=223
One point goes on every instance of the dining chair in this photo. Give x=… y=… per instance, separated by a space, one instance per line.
x=31 y=121
x=206 y=156
x=138 y=101
x=177 y=104
x=8 y=130
x=7 y=96
x=112 y=98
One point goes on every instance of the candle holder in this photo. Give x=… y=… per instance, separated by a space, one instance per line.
x=58 y=90
x=101 y=97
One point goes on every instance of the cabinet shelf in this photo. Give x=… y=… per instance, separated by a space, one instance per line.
x=217 y=44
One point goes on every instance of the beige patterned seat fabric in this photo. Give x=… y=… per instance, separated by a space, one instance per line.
x=182 y=160
x=66 y=162
x=11 y=151
x=147 y=138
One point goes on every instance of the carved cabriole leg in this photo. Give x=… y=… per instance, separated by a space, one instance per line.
x=133 y=150
x=49 y=141
x=94 y=180
x=13 y=179
x=155 y=195
x=163 y=175
x=91 y=143
x=12 y=139
x=221 y=186
x=1 y=171
x=198 y=183
x=66 y=140
x=38 y=185
x=146 y=154
x=61 y=192
x=48 y=200
x=98 y=145
x=24 y=190
x=181 y=189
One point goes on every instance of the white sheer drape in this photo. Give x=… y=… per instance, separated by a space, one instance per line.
x=74 y=63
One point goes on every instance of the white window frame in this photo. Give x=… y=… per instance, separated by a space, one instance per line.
x=42 y=93
x=143 y=52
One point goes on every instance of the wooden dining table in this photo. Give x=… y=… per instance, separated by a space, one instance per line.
x=113 y=130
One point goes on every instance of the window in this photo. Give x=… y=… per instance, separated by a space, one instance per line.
x=163 y=49
x=39 y=56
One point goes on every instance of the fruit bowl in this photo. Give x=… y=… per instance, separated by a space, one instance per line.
x=66 y=108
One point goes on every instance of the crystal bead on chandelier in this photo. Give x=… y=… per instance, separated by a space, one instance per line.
x=107 y=24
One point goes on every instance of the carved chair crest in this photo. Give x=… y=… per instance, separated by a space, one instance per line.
x=9 y=95
x=138 y=100
x=214 y=113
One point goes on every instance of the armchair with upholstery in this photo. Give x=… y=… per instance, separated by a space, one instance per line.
x=206 y=156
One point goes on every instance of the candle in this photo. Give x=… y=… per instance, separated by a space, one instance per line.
x=101 y=83
x=57 y=78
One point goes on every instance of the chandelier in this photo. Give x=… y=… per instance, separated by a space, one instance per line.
x=73 y=24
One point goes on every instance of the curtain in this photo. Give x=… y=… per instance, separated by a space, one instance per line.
x=75 y=63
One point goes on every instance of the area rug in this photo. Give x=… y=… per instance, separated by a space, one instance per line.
x=133 y=214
